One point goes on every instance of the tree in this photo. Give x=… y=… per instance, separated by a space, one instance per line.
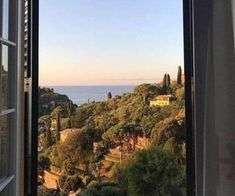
x=43 y=163
x=70 y=183
x=57 y=110
x=70 y=108
x=103 y=189
x=109 y=95
x=154 y=172
x=70 y=113
x=58 y=127
x=179 y=76
x=48 y=142
x=146 y=90
x=43 y=191
x=120 y=133
x=168 y=80
x=166 y=84
x=75 y=150
x=116 y=135
x=44 y=119
x=170 y=134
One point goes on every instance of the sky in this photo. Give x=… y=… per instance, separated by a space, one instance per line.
x=109 y=42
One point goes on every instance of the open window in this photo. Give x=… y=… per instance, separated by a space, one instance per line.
x=209 y=95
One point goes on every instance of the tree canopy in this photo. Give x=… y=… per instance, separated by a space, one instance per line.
x=154 y=172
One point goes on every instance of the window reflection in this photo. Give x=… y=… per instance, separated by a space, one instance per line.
x=3 y=146
x=5 y=19
x=4 y=78
x=233 y=13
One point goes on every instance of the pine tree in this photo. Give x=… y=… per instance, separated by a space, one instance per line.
x=109 y=95
x=58 y=127
x=179 y=76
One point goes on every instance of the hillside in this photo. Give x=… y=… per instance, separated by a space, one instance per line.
x=108 y=137
x=48 y=100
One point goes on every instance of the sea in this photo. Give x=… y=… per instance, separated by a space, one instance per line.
x=82 y=94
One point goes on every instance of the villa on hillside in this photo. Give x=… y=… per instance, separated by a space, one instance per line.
x=65 y=133
x=162 y=100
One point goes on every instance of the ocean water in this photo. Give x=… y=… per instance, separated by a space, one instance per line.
x=81 y=94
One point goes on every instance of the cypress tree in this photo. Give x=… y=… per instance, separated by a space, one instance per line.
x=168 y=80
x=58 y=127
x=70 y=108
x=48 y=141
x=109 y=95
x=164 y=87
x=70 y=113
x=179 y=76
x=164 y=81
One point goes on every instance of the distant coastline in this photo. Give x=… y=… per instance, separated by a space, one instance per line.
x=81 y=94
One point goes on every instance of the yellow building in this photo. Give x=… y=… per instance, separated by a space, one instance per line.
x=162 y=100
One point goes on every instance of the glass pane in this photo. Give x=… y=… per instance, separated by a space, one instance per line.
x=4 y=142
x=8 y=190
x=4 y=86
x=5 y=19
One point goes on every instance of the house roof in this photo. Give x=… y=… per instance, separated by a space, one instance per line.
x=69 y=130
x=163 y=97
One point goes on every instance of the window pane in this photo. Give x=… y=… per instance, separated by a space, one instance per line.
x=4 y=146
x=5 y=19
x=4 y=86
x=8 y=190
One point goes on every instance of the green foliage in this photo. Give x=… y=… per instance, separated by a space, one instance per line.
x=57 y=110
x=180 y=96
x=153 y=172
x=70 y=183
x=4 y=87
x=166 y=84
x=58 y=127
x=75 y=150
x=82 y=114
x=146 y=90
x=70 y=113
x=117 y=123
x=103 y=189
x=42 y=191
x=48 y=100
x=44 y=119
x=170 y=134
x=48 y=140
x=70 y=108
x=119 y=132
x=110 y=95
x=179 y=76
x=43 y=163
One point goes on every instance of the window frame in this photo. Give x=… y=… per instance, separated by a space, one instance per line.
x=9 y=181
x=31 y=97
x=189 y=96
